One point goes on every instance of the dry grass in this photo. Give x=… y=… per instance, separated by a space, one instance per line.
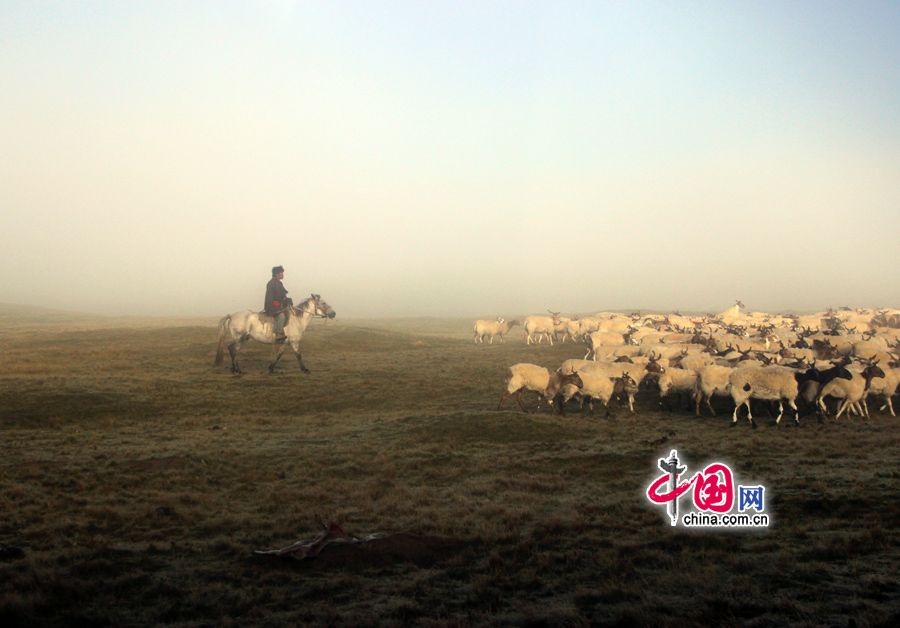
x=139 y=479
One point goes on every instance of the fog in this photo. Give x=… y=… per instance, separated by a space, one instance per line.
x=449 y=159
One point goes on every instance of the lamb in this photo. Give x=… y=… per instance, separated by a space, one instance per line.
x=712 y=380
x=774 y=383
x=852 y=392
x=499 y=327
x=677 y=381
x=525 y=376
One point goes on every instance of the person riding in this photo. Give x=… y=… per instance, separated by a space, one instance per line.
x=277 y=301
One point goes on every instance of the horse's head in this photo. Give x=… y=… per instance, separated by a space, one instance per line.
x=321 y=307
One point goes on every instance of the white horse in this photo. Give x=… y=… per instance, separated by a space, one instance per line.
x=237 y=328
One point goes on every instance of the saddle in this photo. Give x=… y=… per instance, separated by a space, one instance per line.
x=265 y=317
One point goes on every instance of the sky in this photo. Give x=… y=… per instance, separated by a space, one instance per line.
x=467 y=158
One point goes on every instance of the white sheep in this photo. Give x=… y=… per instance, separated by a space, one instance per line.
x=598 y=339
x=637 y=372
x=499 y=328
x=773 y=383
x=712 y=380
x=524 y=376
x=597 y=384
x=696 y=361
x=540 y=326
x=679 y=381
x=671 y=351
x=886 y=386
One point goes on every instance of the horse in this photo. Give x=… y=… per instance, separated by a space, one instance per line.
x=241 y=326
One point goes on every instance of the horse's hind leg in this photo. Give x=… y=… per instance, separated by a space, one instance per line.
x=233 y=352
x=300 y=361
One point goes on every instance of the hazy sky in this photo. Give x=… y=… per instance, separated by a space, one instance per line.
x=458 y=158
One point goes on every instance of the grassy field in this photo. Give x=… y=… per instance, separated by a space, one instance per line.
x=138 y=480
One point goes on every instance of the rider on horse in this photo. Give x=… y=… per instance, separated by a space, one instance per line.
x=277 y=301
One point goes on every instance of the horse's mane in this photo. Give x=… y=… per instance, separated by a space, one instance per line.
x=298 y=309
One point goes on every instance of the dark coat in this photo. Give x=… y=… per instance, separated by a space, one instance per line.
x=276 y=296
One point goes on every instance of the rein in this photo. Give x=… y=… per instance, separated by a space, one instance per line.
x=314 y=314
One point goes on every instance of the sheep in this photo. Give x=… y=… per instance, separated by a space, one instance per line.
x=712 y=380
x=561 y=326
x=676 y=338
x=616 y=323
x=695 y=361
x=588 y=324
x=775 y=383
x=853 y=392
x=867 y=349
x=499 y=328
x=573 y=328
x=798 y=354
x=605 y=339
x=670 y=351
x=645 y=360
x=649 y=338
x=597 y=384
x=525 y=376
x=541 y=325
x=572 y=365
x=811 y=380
x=637 y=372
x=886 y=386
x=679 y=381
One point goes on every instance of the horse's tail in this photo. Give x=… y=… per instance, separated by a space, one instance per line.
x=224 y=327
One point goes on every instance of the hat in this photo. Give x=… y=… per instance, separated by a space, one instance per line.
x=277 y=269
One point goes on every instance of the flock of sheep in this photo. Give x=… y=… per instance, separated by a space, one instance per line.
x=848 y=355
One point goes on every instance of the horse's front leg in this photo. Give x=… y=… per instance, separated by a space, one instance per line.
x=279 y=352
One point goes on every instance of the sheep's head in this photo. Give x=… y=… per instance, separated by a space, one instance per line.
x=872 y=370
x=558 y=381
x=627 y=383
x=653 y=365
